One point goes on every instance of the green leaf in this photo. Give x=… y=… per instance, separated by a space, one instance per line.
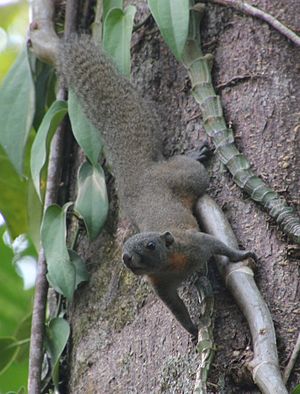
x=109 y=4
x=19 y=203
x=15 y=304
x=9 y=13
x=14 y=377
x=92 y=202
x=34 y=212
x=13 y=197
x=57 y=335
x=41 y=145
x=16 y=110
x=296 y=390
x=172 y=18
x=80 y=268
x=22 y=334
x=20 y=391
x=117 y=30
x=8 y=352
x=61 y=272
x=34 y=205
x=87 y=136
x=7 y=58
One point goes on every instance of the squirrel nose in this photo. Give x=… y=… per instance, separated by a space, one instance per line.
x=127 y=258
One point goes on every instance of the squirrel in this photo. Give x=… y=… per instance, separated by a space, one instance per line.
x=158 y=195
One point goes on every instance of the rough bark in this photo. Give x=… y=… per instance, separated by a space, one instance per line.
x=123 y=338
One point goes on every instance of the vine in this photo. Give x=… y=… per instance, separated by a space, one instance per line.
x=40 y=129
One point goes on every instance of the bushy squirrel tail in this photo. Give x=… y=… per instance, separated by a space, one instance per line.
x=126 y=121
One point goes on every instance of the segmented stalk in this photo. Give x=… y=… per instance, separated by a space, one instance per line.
x=205 y=345
x=199 y=71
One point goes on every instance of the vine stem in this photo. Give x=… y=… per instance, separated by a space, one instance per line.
x=36 y=350
x=43 y=41
x=292 y=360
x=205 y=345
x=239 y=279
x=257 y=13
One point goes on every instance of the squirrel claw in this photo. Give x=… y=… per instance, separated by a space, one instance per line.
x=194 y=338
x=253 y=256
x=201 y=154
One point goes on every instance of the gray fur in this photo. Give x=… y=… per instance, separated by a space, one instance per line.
x=158 y=195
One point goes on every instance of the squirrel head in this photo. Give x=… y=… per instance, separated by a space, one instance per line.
x=147 y=253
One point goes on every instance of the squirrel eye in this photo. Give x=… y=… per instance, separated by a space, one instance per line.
x=150 y=245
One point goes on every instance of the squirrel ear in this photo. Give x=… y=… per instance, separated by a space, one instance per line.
x=168 y=238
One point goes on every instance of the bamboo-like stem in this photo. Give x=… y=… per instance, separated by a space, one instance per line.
x=199 y=70
x=288 y=369
x=257 y=13
x=239 y=279
x=205 y=345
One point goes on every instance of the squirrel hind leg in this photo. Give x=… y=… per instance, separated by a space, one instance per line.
x=201 y=154
x=184 y=176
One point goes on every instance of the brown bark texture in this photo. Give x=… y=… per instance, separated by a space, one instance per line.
x=124 y=340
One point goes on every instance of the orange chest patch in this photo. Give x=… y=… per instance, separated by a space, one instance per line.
x=178 y=262
x=188 y=202
x=154 y=280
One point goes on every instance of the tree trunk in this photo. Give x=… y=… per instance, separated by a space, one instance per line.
x=124 y=340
